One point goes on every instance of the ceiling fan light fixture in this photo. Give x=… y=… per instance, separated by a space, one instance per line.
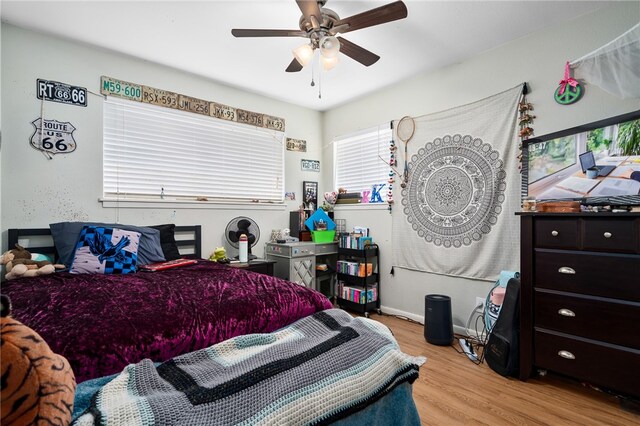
x=329 y=46
x=328 y=63
x=303 y=54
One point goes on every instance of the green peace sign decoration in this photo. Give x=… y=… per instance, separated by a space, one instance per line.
x=569 y=95
x=569 y=90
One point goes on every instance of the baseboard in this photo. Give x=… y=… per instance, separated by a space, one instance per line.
x=458 y=329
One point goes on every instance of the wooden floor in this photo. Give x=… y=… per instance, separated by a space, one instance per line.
x=452 y=390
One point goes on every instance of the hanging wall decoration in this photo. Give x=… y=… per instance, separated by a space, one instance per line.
x=392 y=179
x=298 y=145
x=569 y=91
x=310 y=195
x=60 y=92
x=164 y=98
x=53 y=136
x=525 y=119
x=456 y=214
x=310 y=165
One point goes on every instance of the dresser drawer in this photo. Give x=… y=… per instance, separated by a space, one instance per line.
x=601 y=364
x=556 y=233
x=615 y=276
x=597 y=318
x=611 y=235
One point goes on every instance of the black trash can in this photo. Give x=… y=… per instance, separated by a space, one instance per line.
x=438 y=324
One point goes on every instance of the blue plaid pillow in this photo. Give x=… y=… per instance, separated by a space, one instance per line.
x=103 y=250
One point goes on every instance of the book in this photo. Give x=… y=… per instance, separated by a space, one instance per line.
x=347 y=195
x=348 y=201
x=161 y=266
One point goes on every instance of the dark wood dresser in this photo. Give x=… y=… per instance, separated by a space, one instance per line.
x=580 y=297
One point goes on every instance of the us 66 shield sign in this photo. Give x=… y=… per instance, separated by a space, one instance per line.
x=60 y=92
x=53 y=136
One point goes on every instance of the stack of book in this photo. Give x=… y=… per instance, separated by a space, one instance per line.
x=349 y=198
x=354 y=268
x=358 y=294
x=353 y=241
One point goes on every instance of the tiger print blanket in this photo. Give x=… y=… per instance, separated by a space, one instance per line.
x=37 y=384
x=319 y=369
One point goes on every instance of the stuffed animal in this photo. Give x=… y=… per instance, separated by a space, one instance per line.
x=38 y=385
x=218 y=255
x=18 y=264
x=331 y=197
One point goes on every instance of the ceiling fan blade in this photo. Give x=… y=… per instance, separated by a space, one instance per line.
x=357 y=53
x=309 y=9
x=294 y=66
x=377 y=16
x=267 y=33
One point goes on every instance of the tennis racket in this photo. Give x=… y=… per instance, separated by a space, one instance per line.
x=405 y=130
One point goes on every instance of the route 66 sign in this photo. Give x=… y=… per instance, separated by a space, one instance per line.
x=61 y=92
x=54 y=137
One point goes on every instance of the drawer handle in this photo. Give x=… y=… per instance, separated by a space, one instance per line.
x=607 y=234
x=566 y=312
x=566 y=270
x=566 y=355
x=554 y=233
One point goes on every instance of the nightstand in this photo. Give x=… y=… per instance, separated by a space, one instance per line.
x=260 y=266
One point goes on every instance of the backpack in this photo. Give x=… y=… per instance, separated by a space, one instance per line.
x=502 y=351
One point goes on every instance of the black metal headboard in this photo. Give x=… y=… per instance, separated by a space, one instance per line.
x=188 y=239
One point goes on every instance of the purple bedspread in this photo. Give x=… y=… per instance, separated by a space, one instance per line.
x=101 y=323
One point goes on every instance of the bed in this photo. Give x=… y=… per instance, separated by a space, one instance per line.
x=101 y=323
x=165 y=326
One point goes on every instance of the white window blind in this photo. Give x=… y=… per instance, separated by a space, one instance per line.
x=148 y=148
x=357 y=159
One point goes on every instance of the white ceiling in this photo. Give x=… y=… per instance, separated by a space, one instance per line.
x=196 y=37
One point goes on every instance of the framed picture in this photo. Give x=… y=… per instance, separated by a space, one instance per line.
x=310 y=195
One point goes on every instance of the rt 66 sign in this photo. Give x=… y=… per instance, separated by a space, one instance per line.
x=60 y=92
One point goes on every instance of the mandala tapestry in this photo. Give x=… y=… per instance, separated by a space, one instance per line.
x=456 y=190
x=456 y=214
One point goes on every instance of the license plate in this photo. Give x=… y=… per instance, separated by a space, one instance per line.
x=59 y=92
x=249 y=117
x=120 y=88
x=159 y=97
x=198 y=106
x=223 y=112
x=275 y=123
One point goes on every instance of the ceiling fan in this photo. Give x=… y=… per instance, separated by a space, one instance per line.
x=320 y=25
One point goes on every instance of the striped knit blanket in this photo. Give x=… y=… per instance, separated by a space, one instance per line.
x=318 y=369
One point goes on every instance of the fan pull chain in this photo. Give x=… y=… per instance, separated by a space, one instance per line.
x=319 y=83
x=313 y=68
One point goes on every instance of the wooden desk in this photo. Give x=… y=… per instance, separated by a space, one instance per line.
x=261 y=266
x=560 y=187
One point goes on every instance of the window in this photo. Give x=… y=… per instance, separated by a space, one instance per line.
x=361 y=159
x=549 y=157
x=149 y=150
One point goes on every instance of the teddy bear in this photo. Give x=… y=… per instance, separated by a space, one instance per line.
x=19 y=264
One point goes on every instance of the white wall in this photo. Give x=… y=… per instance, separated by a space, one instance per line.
x=37 y=191
x=537 y=59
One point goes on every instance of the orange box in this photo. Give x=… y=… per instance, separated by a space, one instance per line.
x=361 y=269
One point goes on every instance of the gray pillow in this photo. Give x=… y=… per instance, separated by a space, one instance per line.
x=65 y=237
